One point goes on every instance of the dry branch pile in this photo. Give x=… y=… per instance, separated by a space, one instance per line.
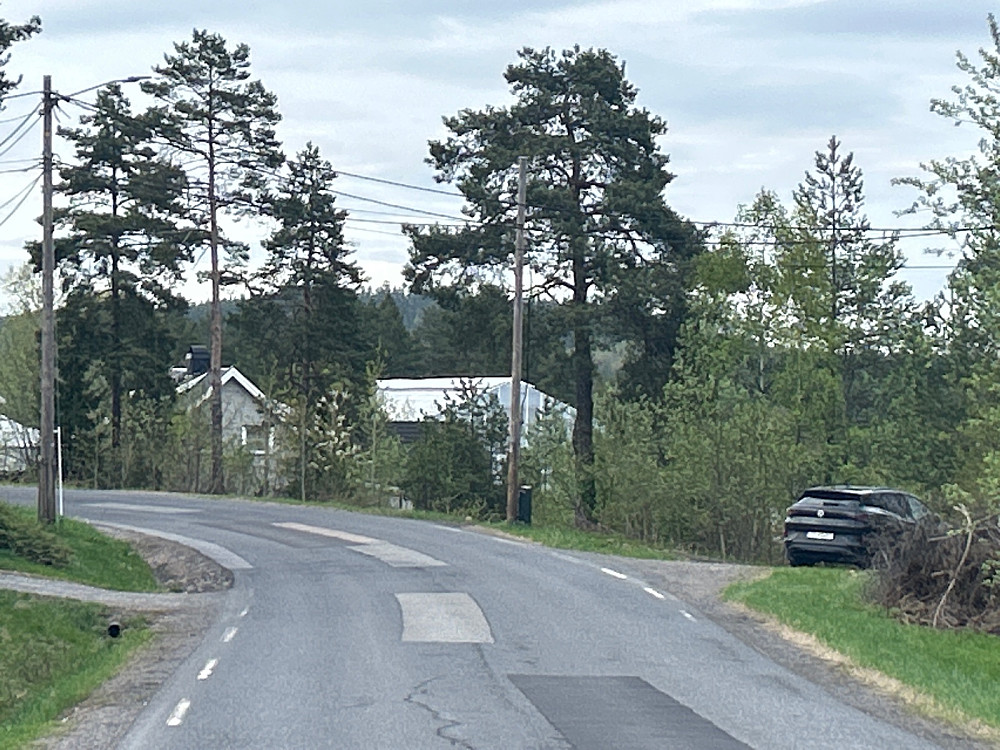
x=941 y=578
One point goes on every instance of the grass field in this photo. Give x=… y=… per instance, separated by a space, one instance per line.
x=958 y=670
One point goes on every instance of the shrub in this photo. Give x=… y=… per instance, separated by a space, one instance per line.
x=30 y=540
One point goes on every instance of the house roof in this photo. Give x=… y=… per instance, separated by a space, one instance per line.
x=228 y=374
x=415 y=399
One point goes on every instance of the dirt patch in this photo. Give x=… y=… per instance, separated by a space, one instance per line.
x=176 y=567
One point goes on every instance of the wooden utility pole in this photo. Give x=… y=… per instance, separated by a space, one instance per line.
x=46 y=465
x=513 y=456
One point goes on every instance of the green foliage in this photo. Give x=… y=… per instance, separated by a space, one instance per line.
x=597 y=218
x=72 y=550
x=457 y=464
x=547 y=467
x=9 y=35
x=19 y=368
x=25 y=537
x=55 y=652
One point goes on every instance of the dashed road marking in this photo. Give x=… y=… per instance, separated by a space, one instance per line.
x=345 y=536
x=688 y=615
x=229 y=635
x=207 y=670
x=653 y=593
x=177 y=715
x=614 y=573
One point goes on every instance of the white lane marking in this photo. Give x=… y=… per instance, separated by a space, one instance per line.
x=449 y=528
x=568 y=558
x=443 y=618
x=391 y=554
x=504 y=540
x=177 y=715
x=321 y=531
x=688 y=615
x=244 y=612
x=653 y=592
x=229 y=635
x=397 y=557
x=207 y=670
x=166 y=509
x=614 y=573
x=226 y=558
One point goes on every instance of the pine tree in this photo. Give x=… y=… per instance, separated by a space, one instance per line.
x=596 y=214
x=220 y=124
x=126 y=236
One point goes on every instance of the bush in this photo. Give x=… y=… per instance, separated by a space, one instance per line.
x=944 y=579
x=30 y=540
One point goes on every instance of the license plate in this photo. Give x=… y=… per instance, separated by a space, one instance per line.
x=826 y=536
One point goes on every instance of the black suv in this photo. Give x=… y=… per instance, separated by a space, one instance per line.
x=842 y=524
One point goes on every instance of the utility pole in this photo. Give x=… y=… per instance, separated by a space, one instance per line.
x=46 y=468
x=513 y=484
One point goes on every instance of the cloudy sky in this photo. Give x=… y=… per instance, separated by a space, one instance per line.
x=750 y=90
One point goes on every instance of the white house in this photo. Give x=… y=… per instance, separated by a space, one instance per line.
x=18 y=445
x=409 y=401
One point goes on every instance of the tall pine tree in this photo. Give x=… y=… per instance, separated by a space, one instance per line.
x=220 y=124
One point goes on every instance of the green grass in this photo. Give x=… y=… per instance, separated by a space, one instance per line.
x=958 y=670
x=52 y=654
x=564 y=537
x=97 y=560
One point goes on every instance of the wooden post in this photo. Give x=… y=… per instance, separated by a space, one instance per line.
x=514 y=453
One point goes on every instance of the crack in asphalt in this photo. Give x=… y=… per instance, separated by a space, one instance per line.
x=446 y=723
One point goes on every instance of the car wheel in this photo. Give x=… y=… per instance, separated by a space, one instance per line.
x=796 y=560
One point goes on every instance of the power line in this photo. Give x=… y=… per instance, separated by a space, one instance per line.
x=394 y=183
x=26 y=192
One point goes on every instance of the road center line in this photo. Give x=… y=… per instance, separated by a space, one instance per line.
x=321 y=531
x=688 y=615
x=177 y=715
x=207 y=670
x=229 y=635
x=653 y=592
x=614 y=573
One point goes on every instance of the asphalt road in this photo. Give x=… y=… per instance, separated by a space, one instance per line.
x=351 y=631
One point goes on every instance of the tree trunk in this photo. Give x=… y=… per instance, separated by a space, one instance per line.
x=583 y=426
x=217 y=482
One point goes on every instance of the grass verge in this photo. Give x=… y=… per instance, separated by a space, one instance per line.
x=95 y=559
x=563 y=537
x=958 y=671
x=53 y=653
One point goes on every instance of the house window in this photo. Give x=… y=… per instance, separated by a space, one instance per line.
x=255 y=437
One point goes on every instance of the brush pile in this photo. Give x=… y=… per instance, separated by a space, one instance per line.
x=944 y=578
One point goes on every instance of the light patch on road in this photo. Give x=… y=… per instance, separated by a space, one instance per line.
x=165 y=509
x=688 y=615
x=207 y=670
x=614 y=573
x=344 y=536
x=443 y=618
x=391 y=554
x=226 y=558
x=229 y=635
x=396 y=556
x=653 y=593
x=177 y=715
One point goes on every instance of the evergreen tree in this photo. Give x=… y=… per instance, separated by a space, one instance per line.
x=9 y=35
x=125 y=232
x=597 y=211
x=307 y=307
x=221 y=126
